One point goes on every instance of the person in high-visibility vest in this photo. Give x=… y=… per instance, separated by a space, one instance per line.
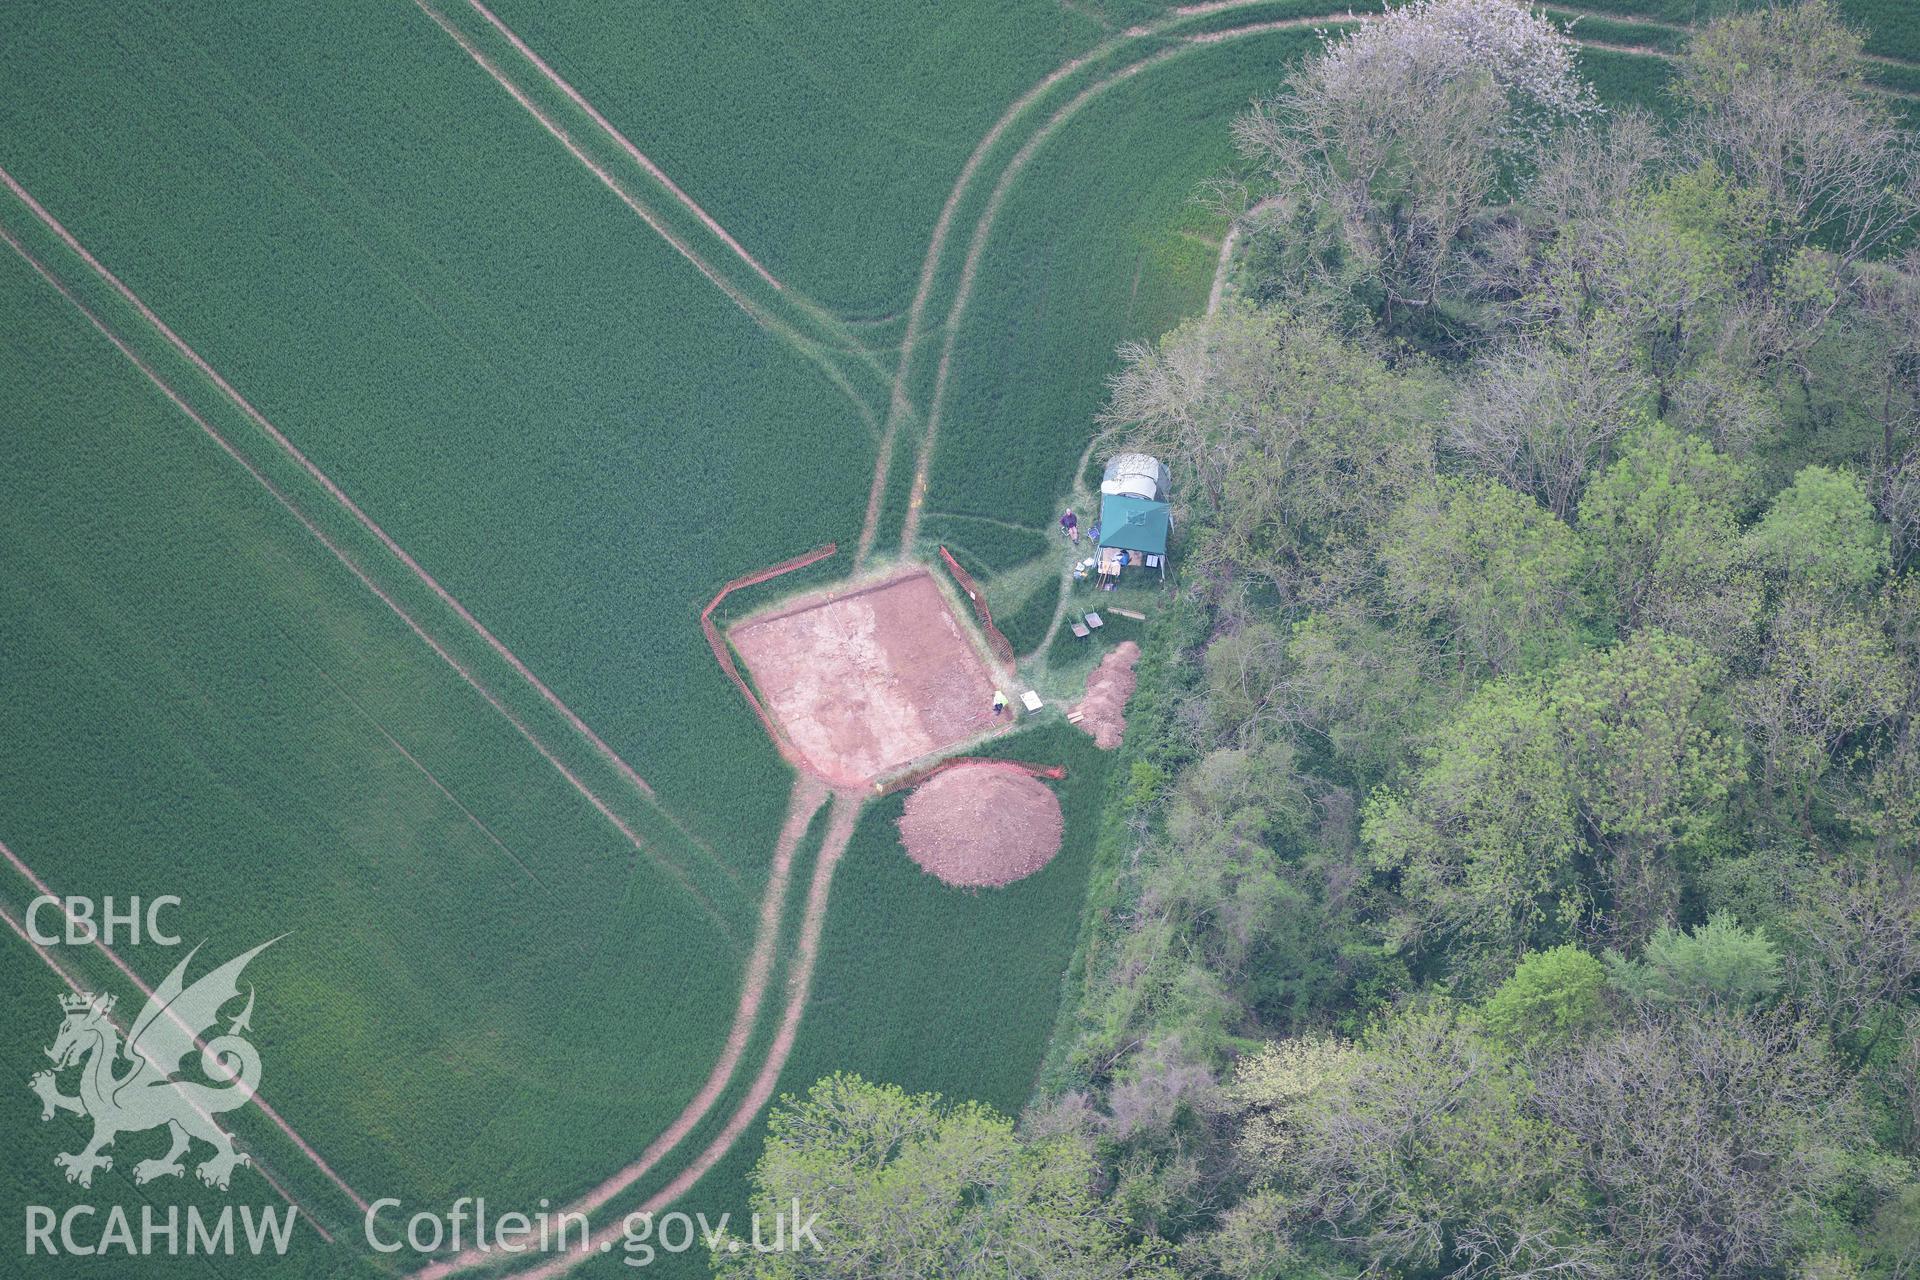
x=999 y=703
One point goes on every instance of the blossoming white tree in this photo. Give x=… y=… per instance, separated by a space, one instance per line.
x=1392 y=139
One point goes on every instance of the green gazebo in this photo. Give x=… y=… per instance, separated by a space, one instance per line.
x=1135 y=524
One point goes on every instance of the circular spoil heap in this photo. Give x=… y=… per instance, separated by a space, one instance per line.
x=981 y=824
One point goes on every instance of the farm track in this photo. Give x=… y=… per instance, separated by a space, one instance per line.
x=606 y=126
x=303 y=471
x=900 y=410
x=847 y=804
x=1667 y=27
x=845 y=814
x=808 y=795
x=900 y=404
x=305 y=1148
x=1664 y=27
x=786 y=314
x=983 y=229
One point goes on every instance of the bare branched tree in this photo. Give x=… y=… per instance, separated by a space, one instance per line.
x=1906 y=1085
x=1778 y=99
x=1708 y=1140
x=1859 y=953
x=1890 y=300
x=1540 y=414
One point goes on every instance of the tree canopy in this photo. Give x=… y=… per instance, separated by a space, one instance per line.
x=1516 y=869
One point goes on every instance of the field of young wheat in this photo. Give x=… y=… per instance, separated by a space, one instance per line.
x=388 y=388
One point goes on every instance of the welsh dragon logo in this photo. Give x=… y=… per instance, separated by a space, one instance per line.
x=129 y=1088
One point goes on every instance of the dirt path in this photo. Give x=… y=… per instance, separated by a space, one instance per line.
x=847 y=803
x=1677 y=28
x=1216 y=294
x=984 y=226
x=1227 y=243
x=257 y=1100
x=970 y=269
x=900 y=406
x=846 y=812
x=607 y=180
x=573 y=95
x=951 y=325
x=1081 y=496
x=808 y=796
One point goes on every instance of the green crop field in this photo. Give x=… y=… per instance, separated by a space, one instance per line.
x=579 y=407
x=494 y=356
x=832 y=152
x=906 y=962
x=201 y=702
x=1070 y=279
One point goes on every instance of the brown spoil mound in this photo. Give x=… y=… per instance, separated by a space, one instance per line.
x=981 y=824
x=1109 y=685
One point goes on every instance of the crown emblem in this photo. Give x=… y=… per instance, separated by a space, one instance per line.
x=84 y=1001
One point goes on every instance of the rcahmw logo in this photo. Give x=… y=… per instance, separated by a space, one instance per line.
x=127 y=1084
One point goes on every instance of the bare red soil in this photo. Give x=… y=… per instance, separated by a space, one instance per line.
x=1109 y=685
x=866 y=680
x=981 y=825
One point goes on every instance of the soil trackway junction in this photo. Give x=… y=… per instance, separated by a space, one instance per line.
x=808 y=796
x=901 y=406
